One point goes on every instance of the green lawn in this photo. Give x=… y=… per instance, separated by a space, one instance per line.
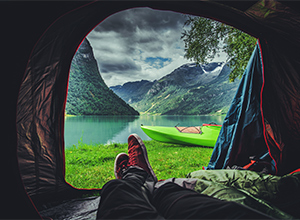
x=91 y=166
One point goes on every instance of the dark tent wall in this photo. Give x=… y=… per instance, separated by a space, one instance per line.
x=281 y=103
x=22 y=24
x=40 y=114
x=16 y=18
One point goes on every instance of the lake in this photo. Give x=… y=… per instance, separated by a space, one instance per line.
x=116 y=129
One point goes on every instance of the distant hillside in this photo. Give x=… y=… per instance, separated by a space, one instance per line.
x=132 y=92
x=87 y=92
x=188 y=90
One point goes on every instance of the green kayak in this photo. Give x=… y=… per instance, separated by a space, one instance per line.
x=205 y=135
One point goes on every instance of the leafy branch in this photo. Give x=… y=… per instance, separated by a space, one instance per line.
x=205 y=38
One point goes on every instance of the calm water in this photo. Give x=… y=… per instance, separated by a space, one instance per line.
x=116 y=129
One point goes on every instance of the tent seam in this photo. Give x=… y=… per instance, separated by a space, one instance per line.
x=261 y=104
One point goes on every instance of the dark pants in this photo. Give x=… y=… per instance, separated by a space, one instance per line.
x=130 y=198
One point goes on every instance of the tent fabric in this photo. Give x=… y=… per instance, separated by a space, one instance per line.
x=39 y=163
x=276 y=76
x=280 y=95
x=280 y=103
x=40 y=109
x=74 y=209
x=241 y=135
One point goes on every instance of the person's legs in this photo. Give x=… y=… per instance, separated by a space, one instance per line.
x=175 y=202
x=127 y=197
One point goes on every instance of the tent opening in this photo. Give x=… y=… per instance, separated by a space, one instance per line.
x=130 y=70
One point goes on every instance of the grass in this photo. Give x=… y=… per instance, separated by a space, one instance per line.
x=91 y=166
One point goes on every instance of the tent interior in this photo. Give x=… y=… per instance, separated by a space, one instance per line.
x=36 y=77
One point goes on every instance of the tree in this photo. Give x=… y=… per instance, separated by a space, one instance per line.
x=206 y=38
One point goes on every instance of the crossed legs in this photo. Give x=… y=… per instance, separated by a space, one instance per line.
x=132 y=194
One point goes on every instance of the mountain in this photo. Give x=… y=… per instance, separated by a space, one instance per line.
x=132 y=92
x=188 y=90
x=87 y=92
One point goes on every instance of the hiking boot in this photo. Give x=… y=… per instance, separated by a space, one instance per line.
x=138 y=155
x=121 y=165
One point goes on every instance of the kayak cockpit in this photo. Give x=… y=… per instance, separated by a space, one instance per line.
x=192 y=129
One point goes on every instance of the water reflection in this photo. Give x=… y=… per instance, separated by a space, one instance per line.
x=116 y=129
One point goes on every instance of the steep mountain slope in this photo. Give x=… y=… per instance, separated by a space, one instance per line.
x=87 y=92
x=189 y=89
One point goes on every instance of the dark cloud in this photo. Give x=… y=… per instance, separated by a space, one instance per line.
x=142 y=18
x=144 y=27
x=126 y=43
x=146 y=39
x=118 y=67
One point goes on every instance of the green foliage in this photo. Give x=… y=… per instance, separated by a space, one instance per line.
x=202 y=39
x=91 y=166
x=207 y=37
x=239 y=47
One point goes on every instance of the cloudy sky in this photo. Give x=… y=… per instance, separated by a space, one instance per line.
x=139 y=43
